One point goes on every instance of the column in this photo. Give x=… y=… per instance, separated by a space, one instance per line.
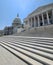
x=25 y=22
x=42 y=19
x=52 y=15
x=47 y=17
x=34 y=22
x=28 y=23
x=31 y=22
x=38 y=21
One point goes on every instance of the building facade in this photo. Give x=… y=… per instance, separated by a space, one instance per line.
x=1 y=32
x=15 y=28
x=8 y=30
x=16 y=24
x=42 y=16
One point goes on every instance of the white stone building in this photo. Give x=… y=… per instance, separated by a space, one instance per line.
x=17 y=26
x=1 y=32
x=42 y=16
x=8 y=30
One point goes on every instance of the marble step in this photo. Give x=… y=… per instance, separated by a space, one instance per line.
x=40 y=58
x=24 y=57
x=35 y=43
x=47 y=42
x=37 y=47
x=44 y=54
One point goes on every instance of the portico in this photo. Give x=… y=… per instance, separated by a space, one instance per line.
x=41 y=17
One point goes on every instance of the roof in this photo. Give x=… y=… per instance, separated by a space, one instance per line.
x=40 y=8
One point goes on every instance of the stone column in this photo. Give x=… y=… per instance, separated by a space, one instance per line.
x=31 y=22
x=34 y=22
x=42 y=19
x=52 y=15
x=28 y=22
x=38 y=21
x=47 y=17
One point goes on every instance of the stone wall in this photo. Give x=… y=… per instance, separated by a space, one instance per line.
x=20 y=30
x=42 y=31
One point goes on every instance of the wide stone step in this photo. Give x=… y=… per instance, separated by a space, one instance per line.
x=35 y=44
x=7 y=58
x=37 y=47
x=32 y=55
x=45 y=41
x=23 y=56
x=37 y=41
x=44 y=54
x=33 y=41
x=31 y=50
x=29 y=37
x=40 y=40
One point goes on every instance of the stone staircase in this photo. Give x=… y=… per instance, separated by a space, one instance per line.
x=32 y=51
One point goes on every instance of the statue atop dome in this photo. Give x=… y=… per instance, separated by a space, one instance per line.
x=17 y=15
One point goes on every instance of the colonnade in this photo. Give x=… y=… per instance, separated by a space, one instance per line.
x=33 y=22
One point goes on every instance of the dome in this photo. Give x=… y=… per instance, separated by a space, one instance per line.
x=16 y=21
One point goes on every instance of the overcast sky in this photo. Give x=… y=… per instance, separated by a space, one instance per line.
x=10 y=8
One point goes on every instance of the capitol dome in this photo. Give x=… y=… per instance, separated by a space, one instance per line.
x=16 y=21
